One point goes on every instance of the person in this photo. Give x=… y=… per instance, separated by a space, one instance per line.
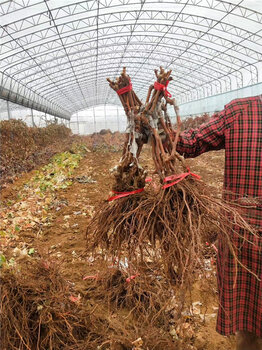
x=238 y=130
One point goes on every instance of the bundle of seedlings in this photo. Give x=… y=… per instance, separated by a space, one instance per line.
x=140 y=305
x=39 y=312
x=129 y=175
x=171 y=225
x=141 y=290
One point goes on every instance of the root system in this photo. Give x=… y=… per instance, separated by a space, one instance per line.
x=39 y=312
x=115 y=311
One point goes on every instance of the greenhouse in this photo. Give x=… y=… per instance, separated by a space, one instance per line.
x=131 y=174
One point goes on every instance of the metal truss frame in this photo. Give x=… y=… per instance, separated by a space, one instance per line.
x=56 y=54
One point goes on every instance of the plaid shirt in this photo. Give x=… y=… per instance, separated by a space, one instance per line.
x=238 y=130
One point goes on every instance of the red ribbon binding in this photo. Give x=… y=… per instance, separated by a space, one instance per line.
x=213 y=246
x=74 y=299
x=162 y=87
x=179 y=178
x=128 y=279
x=125 y=89
x=93 y=277
x=124 y=194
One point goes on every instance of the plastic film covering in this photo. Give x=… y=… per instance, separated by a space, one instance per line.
x=56 y=54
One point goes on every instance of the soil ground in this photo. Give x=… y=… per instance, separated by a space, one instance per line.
x=64 y=239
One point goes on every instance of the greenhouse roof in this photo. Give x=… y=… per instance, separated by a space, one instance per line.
x=56 y=54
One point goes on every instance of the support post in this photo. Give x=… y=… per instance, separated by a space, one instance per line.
x=94 y=114
x=105 y=116
x=77 y=119
x=8 y=110
x=32 y=117
x=118 y=127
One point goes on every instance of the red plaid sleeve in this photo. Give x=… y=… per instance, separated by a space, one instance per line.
x=209 y=136
x=238 y=129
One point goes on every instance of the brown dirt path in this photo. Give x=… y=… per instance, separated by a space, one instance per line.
x=64 y=239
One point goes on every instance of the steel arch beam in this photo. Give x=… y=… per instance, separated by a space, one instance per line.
x=31 y=100
x=52 y=21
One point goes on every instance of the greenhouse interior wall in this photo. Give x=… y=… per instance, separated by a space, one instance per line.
x=113 y=117
x=30 y=116
x=217 y=102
